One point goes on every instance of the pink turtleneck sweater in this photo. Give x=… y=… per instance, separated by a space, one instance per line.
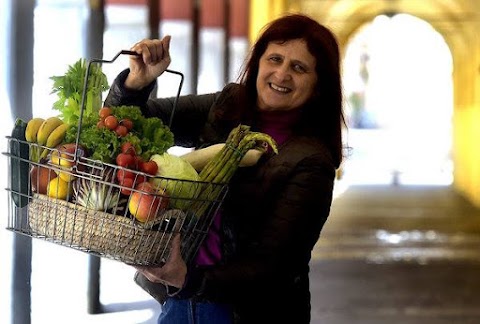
x=277 y=124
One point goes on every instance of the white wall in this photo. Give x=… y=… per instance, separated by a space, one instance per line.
x=5 y=129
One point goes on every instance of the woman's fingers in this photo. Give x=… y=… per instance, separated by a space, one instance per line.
x=176 y=253
x=166 y=47
x=144 y=48
x=173 y=272
x=152 y=274
x=153 y=51
x=153 y=60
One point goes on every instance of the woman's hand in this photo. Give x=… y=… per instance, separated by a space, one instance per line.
x=172 y=273
x=154 y=59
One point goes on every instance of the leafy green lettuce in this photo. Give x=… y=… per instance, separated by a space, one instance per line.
x=149 y=136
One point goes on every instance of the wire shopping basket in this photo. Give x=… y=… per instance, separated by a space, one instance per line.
x=138 y=235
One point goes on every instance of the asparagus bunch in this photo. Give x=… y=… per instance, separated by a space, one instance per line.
x=221 y=168
x=224 y=164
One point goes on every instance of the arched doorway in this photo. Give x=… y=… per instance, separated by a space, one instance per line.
x=399 y=103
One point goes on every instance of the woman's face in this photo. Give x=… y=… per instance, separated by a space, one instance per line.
x=286 y=76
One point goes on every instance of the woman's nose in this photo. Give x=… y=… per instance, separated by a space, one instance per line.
x=283 y=72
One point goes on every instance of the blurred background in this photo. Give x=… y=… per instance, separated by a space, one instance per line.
x=411 y=92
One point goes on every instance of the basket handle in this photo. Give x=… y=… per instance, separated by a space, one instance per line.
x=85 y=84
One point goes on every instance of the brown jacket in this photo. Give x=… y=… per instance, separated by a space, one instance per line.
x=272 y=216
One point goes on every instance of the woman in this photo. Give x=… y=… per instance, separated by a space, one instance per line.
x=254 y=265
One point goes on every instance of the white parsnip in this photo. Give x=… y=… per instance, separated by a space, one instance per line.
x=251 y=158
x=199 y=158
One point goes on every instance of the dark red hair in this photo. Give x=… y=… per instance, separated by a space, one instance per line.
x=322 y=115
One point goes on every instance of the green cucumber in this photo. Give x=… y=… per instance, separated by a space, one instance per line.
x=19 y=164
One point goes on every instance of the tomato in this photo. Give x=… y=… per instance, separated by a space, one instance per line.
x=121 y=131
x=127 y=123
x=111 y=122
x=125 y=173
x=128 y=148
x=105 y=112
x=140 y=178
x=100 y=124
x=149 y=167
x=138 y=162
x=127 y=184
x=125 y=160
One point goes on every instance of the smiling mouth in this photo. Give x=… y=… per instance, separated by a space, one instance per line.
x=279 y=89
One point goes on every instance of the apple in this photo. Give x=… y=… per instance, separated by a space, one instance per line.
x=146 y=203
x=63 y=156
x=40 y=177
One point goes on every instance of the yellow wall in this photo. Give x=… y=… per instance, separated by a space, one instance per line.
x=464 y=44
x=262 y=12
x=467 y=152
x=467 y=114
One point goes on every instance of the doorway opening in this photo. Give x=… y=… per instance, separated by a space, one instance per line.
x=398 y=89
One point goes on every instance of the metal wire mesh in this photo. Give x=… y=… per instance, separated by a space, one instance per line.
x=112 y=230
x=73 y=216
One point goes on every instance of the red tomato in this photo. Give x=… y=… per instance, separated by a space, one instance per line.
x=149 y=167
x=138 y=162
x=140 y=179
x=128 y=148
x=125 y=160
x=127 y=184
x=121 y=131
x=105 y=112
x=111 y=122
x=123 y=174
x=145 y=187
x=100 y=124
x=127 y=123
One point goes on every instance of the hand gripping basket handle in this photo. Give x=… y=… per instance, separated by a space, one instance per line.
x=85 y=84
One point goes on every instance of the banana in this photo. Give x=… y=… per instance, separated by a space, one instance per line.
x=47 y=127
x=57 y=136
x=32 y=129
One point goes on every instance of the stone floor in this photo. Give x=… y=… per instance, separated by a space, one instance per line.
x=395 y=254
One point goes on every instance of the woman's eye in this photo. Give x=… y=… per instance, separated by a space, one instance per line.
x=299 y=68
x=275 y=59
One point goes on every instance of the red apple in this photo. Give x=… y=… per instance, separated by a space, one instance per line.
x=147 y=203
x=63 y=156
x=40 y=177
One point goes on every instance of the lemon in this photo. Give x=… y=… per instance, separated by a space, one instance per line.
x=64 y=164
x=66 y=176
x=59 y=188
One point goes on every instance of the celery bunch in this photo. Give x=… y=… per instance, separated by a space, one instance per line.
x=69 y=89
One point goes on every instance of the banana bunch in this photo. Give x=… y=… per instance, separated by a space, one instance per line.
x=48 y=132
